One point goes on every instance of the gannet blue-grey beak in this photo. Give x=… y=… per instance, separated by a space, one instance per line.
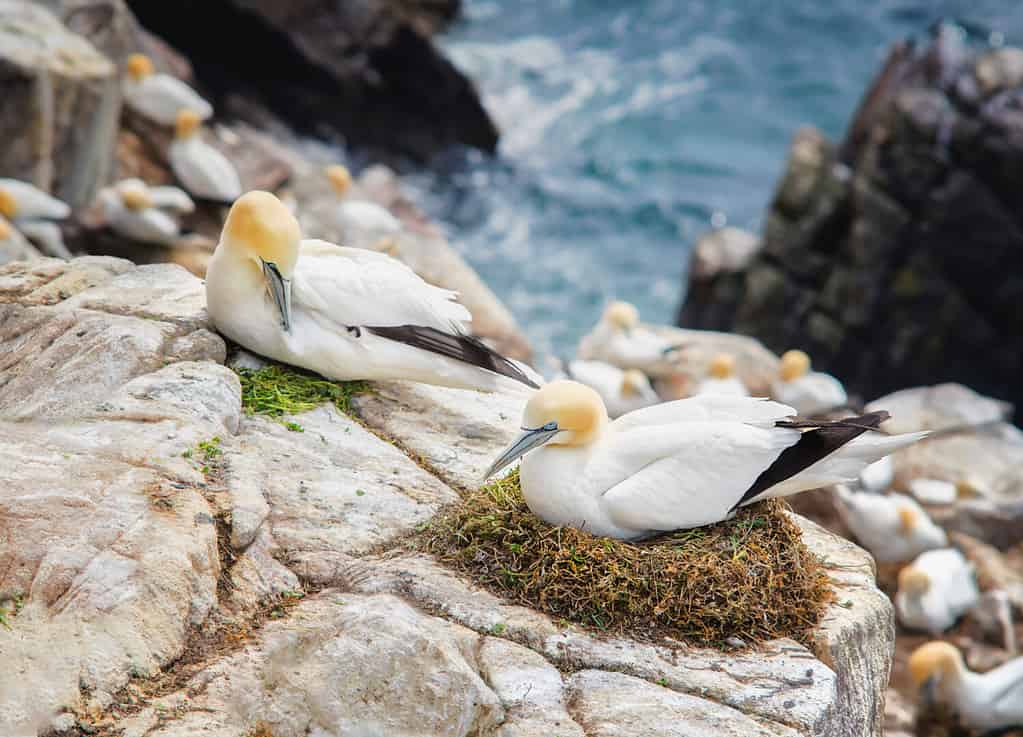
x=280 y=290
x=529 y=439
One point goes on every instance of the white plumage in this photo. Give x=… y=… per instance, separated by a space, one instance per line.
x=202 y=169
x=171 y=199
x=620 y=339
x=721 y=378
x=159 y=97
x=362 y=224
x=622 y=391
x=130 y=210
x=810 y=392
x=935 y=590
x=30 y=203
x=878 y=476
x=893 y=527
x=671 y=466
x=327 y=308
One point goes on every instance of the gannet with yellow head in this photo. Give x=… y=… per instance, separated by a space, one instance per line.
x=13 y=246
x=621 y=391
x=984 y=701
x=810 y=392
x=676 y=465
x=935 y=590
x=31 y=210
x=202 y=169
x=159 y=97
x=893 y=527
x=362 y=224
x=721 y=378
x=621 y=340
x=346 y=313
x=131 y=209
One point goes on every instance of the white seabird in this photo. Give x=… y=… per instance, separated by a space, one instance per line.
x=31 y=210
x=129 y=209
x=676 y=465
x=878 y=476
x=620 y=339
x=362 y=224
x=202 y=169
x=810 y=392
x=159 y=97
x=346 y=313
x=893 y=527
x=935 y=590
x=721 y=378
x=622 y=391
x=984 y=701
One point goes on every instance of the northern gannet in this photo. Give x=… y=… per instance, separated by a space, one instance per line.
x=810 y=392
x=202 y=169
x=620 y=339
x=130 y=209
x=984 y=701
x=622 y=391
x=31 y=209
x=346 y=313
x=362 y=224
x=878 y=476
x=893 y=527
x=676 y=465
x=721 y=378
x=935 y=590
x=159 y=97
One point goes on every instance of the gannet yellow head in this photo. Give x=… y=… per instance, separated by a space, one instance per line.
x=634 y=382
x=908 y=519
x=139 y=66
x=134 y=195
x=187 y=124
x=5 y=230
x=722 y=366
x=935 y=665
x=261 y=230
x=339 y=177
x=622 y=316
x=8 y=205
x=914 y=581
x=563 y=413
x=794 y=364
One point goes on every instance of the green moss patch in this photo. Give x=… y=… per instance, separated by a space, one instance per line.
x=277 y=390
x=749 y=578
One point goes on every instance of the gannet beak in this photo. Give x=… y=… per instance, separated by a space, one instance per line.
x=280 y=290
x=929 y=691
x=677 y=348
x=527 y=441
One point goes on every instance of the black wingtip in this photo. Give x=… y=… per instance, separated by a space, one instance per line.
x=463 y=348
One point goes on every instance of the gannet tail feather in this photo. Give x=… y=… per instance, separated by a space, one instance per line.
x=831 y=444
x=463 y=348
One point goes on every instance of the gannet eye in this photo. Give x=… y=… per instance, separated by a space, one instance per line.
x=550 y=426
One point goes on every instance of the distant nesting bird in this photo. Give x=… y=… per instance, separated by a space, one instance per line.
x=676 y=465
x=362 y=224
x=983 y=701
x=159 y=97
x=346 y=313
x=620 y=339
x=878 y=477
x=31 y=209
x=622 y=391
x=810 y=392
x=935 y=590
x=202 y=169
x=721 y=378
x=893 y=527
x=131 y=209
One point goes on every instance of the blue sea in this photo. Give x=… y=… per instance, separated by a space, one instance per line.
x=629 y=128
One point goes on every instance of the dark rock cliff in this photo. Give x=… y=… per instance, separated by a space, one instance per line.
x=897 y=258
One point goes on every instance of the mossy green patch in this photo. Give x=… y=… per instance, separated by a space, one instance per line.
x=277 y=390
x=750 y=577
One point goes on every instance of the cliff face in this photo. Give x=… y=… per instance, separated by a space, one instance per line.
x=897 y=258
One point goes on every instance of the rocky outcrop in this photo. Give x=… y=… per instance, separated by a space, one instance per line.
x=366 y=71
x=61 y=102
x=172 y=566
x=897 y=258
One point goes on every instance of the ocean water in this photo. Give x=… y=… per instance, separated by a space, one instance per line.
x=629 y=128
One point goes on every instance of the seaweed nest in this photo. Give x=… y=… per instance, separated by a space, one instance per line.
x=276 y=390
x=749 y=578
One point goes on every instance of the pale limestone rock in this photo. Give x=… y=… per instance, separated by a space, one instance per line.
x=50 y=280
x=939 y=407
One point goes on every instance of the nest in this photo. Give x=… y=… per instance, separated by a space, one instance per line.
x=749 y=578
x=276 y=390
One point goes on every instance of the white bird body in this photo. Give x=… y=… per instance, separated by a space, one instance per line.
x=160 y=97
x=365 y=224
x=893 y=527
x=984 y=701
x=341 y=303
x=811 y=394
x=622 y=391
x=32 y=203
x=671 y=466
x=147 y=224
x=878 y=476
x=620 y=340
x=203 y=170
x=730 y=386
x=935 y=590
x=171 y=199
